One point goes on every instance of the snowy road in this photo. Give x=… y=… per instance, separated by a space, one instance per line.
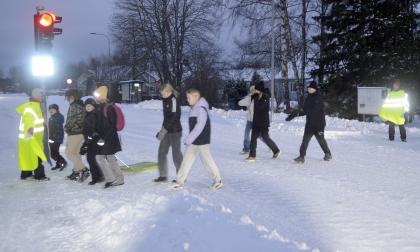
x=366 y=199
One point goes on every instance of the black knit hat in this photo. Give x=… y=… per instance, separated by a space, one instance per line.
x=260 y=86
x=90 y=101
x=53 y=106
x=313 y=85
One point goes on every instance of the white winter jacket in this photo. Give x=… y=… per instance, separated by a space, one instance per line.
x=249 y=104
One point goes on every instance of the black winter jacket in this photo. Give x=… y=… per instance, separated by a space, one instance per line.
x=172 y=114
x=107 y=129
x=55 y=128
x=75 y=117
x=261 y=111
x=90 y=126
x=313 y=108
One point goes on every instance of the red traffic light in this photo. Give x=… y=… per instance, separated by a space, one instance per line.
x=47 y=19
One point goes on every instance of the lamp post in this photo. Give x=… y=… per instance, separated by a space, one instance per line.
x=109 y=51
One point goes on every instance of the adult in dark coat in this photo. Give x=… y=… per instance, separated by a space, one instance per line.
x=109 y=142
x=313 y=108
x=56 y=136
x=261 y=122
x=91 y=136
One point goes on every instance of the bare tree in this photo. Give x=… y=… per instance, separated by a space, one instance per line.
x=164 y=29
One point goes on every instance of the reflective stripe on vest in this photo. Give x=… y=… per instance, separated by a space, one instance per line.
x=397 y=102
x=38 y=122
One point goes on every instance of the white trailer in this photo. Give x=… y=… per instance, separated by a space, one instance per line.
x=370 y=99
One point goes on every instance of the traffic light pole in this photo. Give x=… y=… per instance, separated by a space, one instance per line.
x=44 y=107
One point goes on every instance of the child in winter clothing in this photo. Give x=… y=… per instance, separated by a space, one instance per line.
x=90 y=147
x=261 y=122
x=56 y=136
x=171 y=132
x=74 y=130
x=109 y=142
x=313 y=108
x=198 y=141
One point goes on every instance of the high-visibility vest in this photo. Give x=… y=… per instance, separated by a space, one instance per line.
x=30 y=147
x=394 y=107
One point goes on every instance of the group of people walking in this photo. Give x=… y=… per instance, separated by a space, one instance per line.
x=92 y=129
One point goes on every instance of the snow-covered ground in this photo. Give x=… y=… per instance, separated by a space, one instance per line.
x=366 y=199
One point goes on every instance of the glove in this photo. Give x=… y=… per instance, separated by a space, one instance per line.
x=83 y=149
x=50 y=141
x=161 y=134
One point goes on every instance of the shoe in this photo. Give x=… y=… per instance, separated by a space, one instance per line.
x=404 y=140
x=160 y=179
x=63 y=165
x=114 y=183
x=391 y=139
x=327 y=157
x=250 y=159
x=92 y=182
x=243 y=152
x=42 y=179
x=28 y=178
x=174 y=181
x=300 y=160
x=56 y=167
x=74 y=176
x=217 y=185
x=177 y=186
x=277 y=154
x=85 y=173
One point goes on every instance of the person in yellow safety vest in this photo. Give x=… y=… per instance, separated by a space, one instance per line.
x=31 y=135
x=394 y=111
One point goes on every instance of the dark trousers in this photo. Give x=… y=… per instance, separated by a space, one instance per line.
x=319 y=135
x=403 y=133
x=263 y=132
x=171 y=140
x=55 y=153
x=38 y=173
x=95 y=170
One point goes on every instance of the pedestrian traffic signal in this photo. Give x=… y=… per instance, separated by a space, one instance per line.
x=45 y=31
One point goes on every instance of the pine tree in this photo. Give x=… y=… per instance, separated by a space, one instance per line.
x=366 y=43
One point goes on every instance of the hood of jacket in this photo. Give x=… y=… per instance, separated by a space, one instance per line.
x=202 y=103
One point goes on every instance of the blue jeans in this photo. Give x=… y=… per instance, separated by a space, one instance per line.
x=247 y=136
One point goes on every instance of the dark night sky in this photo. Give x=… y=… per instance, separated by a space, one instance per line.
x=80 y=17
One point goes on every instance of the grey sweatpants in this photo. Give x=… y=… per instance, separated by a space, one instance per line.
x=110 y=168
x=189 y=157
x=171 y=140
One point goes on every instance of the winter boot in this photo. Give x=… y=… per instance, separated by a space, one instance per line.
x=74 y=176
x=160 y=179
x=63 y=165
x=327 y=157
x=114 y=183
x=299 y=160
x=43 y=179
x=56 y=167
x=250 y=159
x=277 y=154
x=217 y=185
x=84 y=175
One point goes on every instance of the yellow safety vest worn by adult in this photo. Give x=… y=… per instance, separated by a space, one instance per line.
x=394 y=107
x=30 y=147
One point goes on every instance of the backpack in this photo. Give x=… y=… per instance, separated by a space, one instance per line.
x=120 y=116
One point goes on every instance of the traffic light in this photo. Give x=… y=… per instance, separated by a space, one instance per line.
x=45 y=31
